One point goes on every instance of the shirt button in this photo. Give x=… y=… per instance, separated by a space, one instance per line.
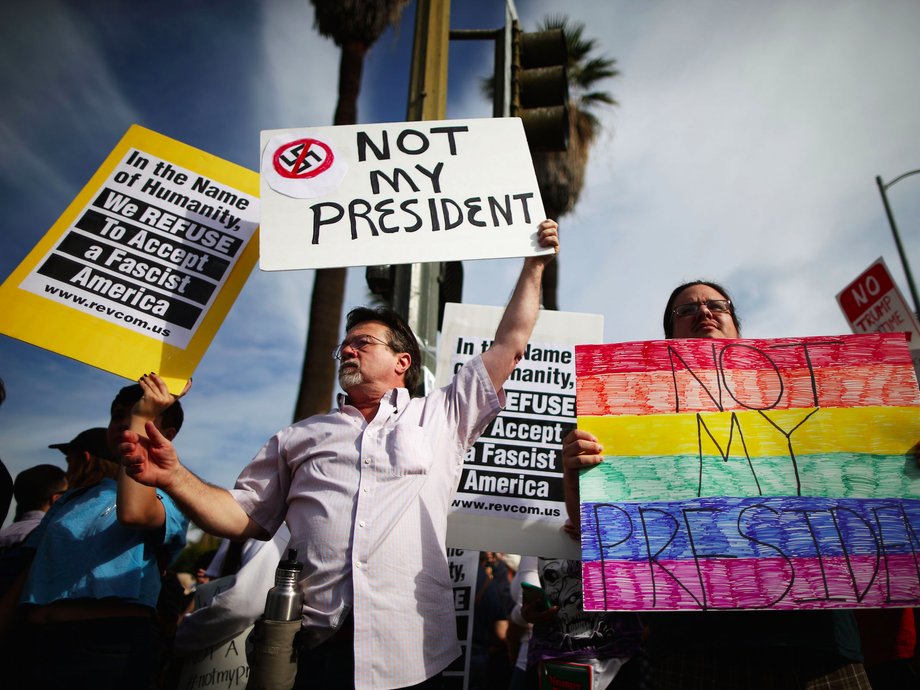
x=367 y=461
x=362 y=523
x=364 y=490
x=358 y=564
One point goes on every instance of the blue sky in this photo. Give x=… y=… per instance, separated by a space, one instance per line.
x=744 y=150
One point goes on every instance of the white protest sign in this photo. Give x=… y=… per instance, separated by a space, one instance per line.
x=464 y=567
x=219 y=665
x=397 y=193
x=222 y=665
x=510 y=496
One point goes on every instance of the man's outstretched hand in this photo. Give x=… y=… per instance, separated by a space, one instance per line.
x=152 y=460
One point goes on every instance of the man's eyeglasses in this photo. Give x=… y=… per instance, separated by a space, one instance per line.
x=359 y=342
x=716 y=306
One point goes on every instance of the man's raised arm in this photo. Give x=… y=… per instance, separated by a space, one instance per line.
x=153 y=461
x=520 y=315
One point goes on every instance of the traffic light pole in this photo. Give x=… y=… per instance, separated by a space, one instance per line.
x=415 y=289
x=502 y=101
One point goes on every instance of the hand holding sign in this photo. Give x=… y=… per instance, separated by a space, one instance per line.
x=156 y=398
x=143 y=457
x=580 y=449
x=547 y=238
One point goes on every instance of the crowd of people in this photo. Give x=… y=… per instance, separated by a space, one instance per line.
x=362 y=493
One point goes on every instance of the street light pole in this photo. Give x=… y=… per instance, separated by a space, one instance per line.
x=882 y=188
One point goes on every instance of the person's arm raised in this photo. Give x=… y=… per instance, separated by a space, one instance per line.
x=153 y=462
x=137 y=504
x=520 y=315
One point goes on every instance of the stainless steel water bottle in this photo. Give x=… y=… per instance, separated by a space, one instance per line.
x=284 y=601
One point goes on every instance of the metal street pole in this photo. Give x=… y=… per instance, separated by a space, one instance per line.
x=415 y=290
x=882 y=188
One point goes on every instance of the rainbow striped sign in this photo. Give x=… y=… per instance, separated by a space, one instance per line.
x=751 y=474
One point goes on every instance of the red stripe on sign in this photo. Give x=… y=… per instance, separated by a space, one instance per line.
x=774 y=353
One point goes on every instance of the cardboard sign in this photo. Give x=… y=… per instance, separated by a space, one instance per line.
x=751 y=474
x=510 y=496
x=141 y=269
x=397 y=193
x=222 y=665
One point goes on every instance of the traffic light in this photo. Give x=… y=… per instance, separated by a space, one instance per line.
x=381 y=281
x=450 y=286
x=540 y=87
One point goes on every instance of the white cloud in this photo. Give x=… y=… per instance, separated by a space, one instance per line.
x=744 y=151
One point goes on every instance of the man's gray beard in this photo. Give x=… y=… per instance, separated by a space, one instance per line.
x=350 y=376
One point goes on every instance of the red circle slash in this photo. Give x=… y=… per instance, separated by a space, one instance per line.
x=300 y=159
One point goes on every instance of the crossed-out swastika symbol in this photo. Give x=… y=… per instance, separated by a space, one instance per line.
x=302 y=159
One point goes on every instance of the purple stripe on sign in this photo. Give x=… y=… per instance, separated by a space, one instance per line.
x=751 y=583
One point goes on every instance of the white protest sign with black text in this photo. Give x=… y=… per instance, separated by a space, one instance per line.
x=397 y=193
x=223 y=664
x=510 y=496
x=464 y=567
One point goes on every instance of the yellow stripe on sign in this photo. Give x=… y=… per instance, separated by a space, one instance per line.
x=876 y=430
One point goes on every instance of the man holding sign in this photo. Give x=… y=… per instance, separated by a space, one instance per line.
x=365 y=491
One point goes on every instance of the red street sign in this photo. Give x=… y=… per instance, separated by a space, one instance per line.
x=863 y=292
x=873 y=304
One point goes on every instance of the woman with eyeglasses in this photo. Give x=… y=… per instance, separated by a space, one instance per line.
x=729 y=649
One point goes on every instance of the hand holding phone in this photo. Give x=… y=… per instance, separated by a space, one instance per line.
x=534 y=597
x=536 y=608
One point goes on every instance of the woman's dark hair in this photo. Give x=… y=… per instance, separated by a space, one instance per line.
x=668 y=320
x=402 y=339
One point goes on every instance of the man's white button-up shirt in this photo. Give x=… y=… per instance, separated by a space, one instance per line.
x=367 y=503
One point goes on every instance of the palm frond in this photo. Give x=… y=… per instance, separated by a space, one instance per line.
x=356 y=20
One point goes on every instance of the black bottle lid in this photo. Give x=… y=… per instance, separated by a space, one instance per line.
x=291 y=563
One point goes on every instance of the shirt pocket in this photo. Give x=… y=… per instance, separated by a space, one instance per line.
x=408 y=450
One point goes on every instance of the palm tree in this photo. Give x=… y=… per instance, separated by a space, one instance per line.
x=354 y=25
x=561 y=174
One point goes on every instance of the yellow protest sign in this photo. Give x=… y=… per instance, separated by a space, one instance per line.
x=142 y=267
